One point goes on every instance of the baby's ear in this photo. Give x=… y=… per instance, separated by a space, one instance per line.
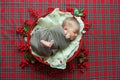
x=79 y=32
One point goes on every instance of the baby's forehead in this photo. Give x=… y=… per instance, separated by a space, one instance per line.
x=76 y=26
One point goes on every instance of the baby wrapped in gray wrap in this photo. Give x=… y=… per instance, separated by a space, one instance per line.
x=55 y=33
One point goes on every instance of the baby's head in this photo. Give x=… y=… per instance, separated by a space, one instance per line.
x=71 y=27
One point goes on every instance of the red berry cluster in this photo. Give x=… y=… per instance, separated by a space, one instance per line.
x=84 y=14
x=50 y=9
x=70 y=66
x=28 y=23
x=84 y=51
x=21 y=31
x=23 y=47
x=83 y=17
x=70 y=10
x=34 y=13
x=83 y=65
x=23 y=63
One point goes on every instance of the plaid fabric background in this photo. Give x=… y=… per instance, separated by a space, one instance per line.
x=103 y=39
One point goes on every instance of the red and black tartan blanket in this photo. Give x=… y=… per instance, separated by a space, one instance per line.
x=102 y=39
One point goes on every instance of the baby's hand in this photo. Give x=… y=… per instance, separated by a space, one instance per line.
x=46 y=43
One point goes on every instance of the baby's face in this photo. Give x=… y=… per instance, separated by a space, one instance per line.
x=72 y=32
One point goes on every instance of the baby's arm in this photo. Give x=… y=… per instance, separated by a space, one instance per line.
x=47 y=44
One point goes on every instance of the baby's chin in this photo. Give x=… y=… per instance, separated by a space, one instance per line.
x=72 y=39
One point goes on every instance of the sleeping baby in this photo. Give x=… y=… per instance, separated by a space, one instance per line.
x=47 y=41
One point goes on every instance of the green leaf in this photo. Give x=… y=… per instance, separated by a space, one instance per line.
x=25 y=28
x=76 y=12
x=80 y=14
x=81 y=10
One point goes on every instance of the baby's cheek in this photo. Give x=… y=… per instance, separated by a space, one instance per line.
x=76 y=35
x=73 y=34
